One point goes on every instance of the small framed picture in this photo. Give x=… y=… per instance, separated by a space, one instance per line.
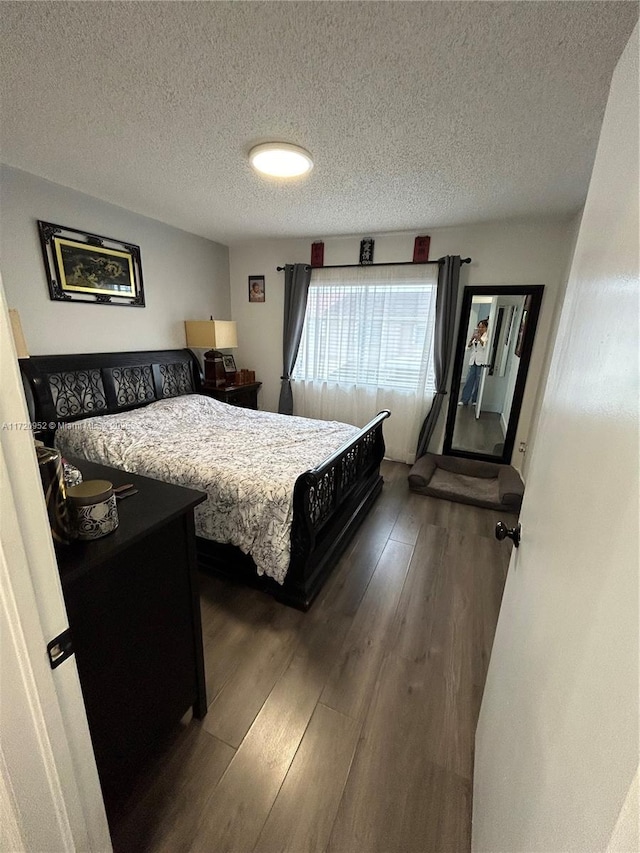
x=421 y=249
x=229 y=364
x=366 y=251
x=256 y=288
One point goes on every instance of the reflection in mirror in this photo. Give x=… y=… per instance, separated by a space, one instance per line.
x=494 y=346
x=489 y=381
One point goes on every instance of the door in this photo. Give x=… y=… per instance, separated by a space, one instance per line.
x=487 y=354
x=557 y=738
x=50 y=797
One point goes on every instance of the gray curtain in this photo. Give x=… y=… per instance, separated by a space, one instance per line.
x=446 y=300
x=296 y=289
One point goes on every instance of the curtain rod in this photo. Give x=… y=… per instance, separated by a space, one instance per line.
x=390 y=264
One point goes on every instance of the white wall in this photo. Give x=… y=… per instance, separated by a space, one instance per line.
x=185 y=277
x=502 y=253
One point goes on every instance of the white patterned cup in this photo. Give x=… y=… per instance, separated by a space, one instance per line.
x=94 y=509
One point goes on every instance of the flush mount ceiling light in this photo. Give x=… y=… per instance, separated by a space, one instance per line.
x=280 y=159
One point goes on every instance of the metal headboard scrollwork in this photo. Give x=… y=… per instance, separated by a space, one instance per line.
x=65 y=388
x=176 y=379
x=77 y=392
x=133 y=384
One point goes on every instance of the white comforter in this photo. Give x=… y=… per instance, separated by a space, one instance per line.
x=246 y=461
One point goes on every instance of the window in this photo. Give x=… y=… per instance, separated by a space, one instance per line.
x=367 y=345
x=370 y=326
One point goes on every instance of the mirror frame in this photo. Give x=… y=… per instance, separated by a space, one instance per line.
x=535 y=291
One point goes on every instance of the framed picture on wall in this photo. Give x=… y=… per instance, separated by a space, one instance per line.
x=256 y=288
x=85 y=267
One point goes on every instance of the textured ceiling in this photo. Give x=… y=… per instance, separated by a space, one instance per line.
x=418 y=114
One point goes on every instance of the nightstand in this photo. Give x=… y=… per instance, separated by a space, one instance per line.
x=133 y=606
x=245 y=396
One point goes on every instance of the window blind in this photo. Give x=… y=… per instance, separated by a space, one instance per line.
x=370 y=326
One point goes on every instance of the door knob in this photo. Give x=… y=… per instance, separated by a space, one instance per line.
x=504 y=532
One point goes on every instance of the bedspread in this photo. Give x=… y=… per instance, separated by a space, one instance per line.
x=246 y=461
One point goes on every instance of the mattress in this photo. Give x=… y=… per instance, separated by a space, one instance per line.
x=246 y=461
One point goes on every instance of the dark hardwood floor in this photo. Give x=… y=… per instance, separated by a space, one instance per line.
x=350 y=728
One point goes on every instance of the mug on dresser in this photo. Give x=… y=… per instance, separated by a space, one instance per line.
x=93 y=509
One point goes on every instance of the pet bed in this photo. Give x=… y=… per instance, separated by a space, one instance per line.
x=485 y=484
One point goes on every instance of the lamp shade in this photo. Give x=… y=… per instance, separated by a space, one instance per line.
x=211 y=334
x=18 y=334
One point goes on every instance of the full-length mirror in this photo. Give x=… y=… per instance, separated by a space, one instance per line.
x=495 y=339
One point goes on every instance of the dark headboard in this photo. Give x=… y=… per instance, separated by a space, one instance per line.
x=66 y=388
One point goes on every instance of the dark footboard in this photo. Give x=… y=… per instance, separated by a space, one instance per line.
x=329 y=502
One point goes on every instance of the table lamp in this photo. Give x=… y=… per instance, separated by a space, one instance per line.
x=212 y=335
x=18 y=334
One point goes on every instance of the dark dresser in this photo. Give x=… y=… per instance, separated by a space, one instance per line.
x=134 y=614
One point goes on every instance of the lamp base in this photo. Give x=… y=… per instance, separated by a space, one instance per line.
x=214 y=373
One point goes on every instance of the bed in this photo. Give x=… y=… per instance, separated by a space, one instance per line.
x=113 y=408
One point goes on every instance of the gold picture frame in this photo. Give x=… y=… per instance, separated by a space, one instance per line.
x=84 y=267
